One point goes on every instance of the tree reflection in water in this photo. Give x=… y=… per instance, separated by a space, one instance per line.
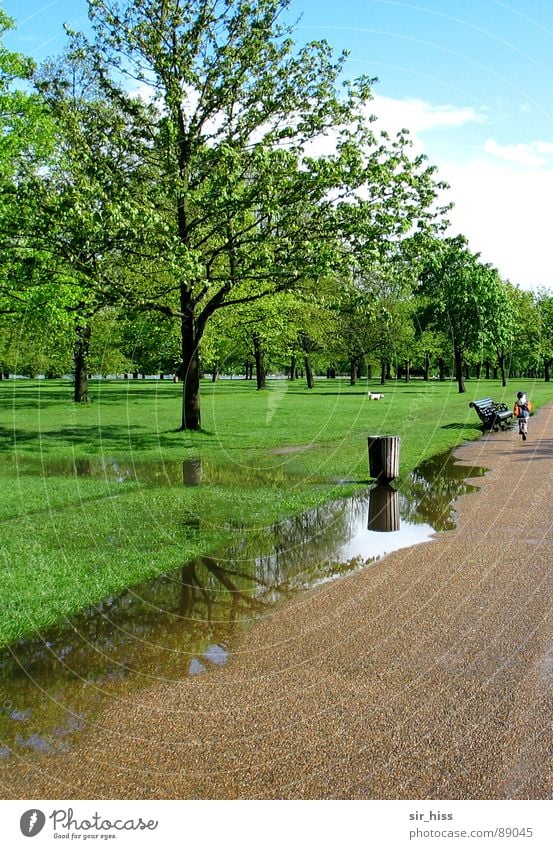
x=430 y=491
x=182 y=623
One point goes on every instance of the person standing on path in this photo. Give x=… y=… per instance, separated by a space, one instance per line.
x=522 y=412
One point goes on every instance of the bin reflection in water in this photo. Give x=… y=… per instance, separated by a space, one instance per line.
x=192 y=472
x=383 y=508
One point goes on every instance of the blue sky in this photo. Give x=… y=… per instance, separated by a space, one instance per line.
x=472 y=80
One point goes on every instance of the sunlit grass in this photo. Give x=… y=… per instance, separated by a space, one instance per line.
x=69 y=540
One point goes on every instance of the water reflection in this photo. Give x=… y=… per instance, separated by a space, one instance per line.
x=427 y=494
x=383 y=509
x=184 y=622
x=188 y=472
x=192 y=472
x=430 y=491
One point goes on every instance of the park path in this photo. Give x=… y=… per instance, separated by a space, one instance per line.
x=427 y=675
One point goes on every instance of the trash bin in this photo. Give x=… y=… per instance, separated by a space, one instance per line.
x=383 y=458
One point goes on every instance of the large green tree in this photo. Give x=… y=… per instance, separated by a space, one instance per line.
x=26 y=139
x=466 y=298
x=537 y=330
x=83 y=216
x=234 y=137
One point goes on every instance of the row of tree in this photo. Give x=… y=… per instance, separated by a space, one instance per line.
x=189 y=189
x=385 y=335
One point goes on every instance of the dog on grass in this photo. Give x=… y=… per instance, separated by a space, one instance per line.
x=375 y=396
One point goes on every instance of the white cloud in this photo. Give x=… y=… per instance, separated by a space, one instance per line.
x=505 y=213
x=419 y=117
x=501 y=192
x=144 y=91
x=501 y=195
x=533 y=155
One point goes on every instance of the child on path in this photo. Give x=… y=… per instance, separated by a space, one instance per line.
x=522 y=412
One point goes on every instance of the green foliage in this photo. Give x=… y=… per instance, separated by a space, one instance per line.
x=534 y=328
x=467 y=298
x=237 y=201
x=149 y=342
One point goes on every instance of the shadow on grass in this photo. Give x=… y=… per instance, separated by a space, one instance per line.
x=30 y=398
x=25 y=399
x=117 y=437
x=108 y=394
x=33 y=397
x=14 y=436
x=187 y=432
x=359 y=393
x=461 y=426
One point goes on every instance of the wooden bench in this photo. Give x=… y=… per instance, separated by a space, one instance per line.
x=493 y=416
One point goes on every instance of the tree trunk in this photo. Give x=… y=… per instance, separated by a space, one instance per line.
x=487 y=368
x=191 y=419
x=309 y=372
x=495 y=372
x=259 y=354
x=352 y=371
x=441 y=369
x=502 y=369
x=407 y=373
x=426 y=367
x=478 y=370
x=80 y=352
x=383 y=372
x=546 y=370
x=215 y=373
x=459 y=368
x=293 y=367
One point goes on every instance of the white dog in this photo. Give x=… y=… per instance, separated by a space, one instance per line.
x=375 y=396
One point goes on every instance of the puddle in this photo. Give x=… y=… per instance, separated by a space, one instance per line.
x=432 y=488
x=184 y=622
x=191 y=472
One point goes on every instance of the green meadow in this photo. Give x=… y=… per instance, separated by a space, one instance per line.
x=97 y=497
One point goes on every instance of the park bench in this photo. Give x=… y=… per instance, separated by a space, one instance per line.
x=493 y=416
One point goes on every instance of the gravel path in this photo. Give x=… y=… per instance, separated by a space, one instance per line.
x=427 y=675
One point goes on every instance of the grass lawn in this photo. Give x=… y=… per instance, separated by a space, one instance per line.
x=93 y=497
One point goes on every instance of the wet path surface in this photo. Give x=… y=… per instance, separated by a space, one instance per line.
x=427 y=675
x=185 y=622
